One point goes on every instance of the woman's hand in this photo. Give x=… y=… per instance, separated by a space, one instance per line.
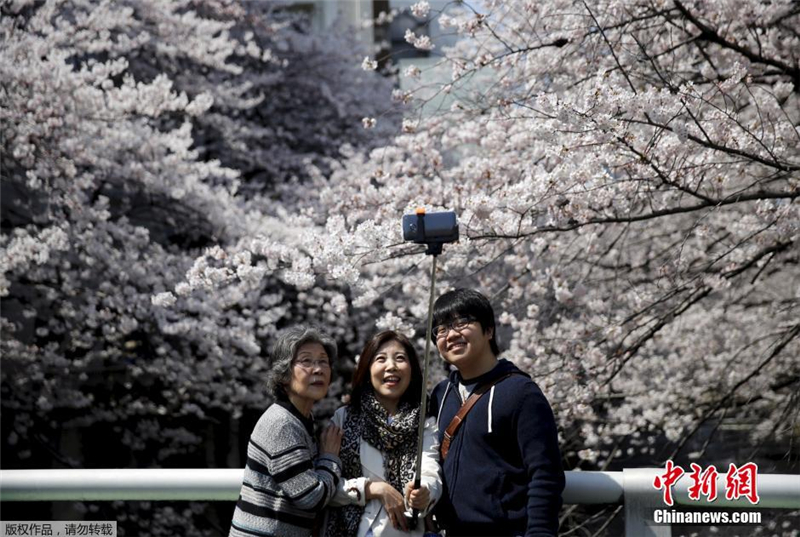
x=417 y=498
x=331 y=440
x=392 y=501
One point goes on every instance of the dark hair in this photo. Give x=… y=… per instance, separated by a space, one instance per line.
x=361 y=378
x=285 y=350
x=460 y=303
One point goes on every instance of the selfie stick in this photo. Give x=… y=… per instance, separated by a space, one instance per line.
x=434 y=249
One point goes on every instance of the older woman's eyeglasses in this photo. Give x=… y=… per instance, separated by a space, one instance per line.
x=441 y=330
x=308 y=363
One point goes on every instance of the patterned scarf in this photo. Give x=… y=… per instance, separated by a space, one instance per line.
x=396 y=441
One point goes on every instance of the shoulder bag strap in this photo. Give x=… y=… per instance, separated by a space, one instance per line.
x=455 y=423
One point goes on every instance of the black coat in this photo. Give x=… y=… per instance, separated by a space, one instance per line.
x=503 y=474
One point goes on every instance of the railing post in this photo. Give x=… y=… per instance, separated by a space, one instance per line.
x=641 y=499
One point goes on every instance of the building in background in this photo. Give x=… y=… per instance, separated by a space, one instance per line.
x=385 y=32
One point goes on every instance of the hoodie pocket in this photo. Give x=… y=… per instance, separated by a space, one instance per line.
x=513 y=496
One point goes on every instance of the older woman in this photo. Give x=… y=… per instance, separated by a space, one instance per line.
x=379 y=446
x=286 y=482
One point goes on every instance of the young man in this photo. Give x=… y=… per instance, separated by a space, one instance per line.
x=502 y=473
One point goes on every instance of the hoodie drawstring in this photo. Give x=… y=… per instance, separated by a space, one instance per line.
x=442 y=403
x=491 y=399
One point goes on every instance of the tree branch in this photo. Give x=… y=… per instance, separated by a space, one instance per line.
x=788 y=337
x=722 y=148
x=610 y=47
x=730 y=200
x=710 y=34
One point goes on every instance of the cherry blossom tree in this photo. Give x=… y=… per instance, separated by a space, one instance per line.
x=626 y=176
x=141 y=141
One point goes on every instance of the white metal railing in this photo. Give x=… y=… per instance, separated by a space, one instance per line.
x=633 y=487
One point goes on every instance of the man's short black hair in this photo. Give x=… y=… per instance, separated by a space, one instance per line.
x=466 y=303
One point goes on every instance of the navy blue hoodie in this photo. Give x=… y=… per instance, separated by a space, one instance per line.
x=503 y=474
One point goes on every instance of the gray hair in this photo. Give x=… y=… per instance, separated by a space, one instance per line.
x=285 y=350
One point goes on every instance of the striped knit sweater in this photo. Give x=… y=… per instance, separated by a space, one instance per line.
x=285 y=485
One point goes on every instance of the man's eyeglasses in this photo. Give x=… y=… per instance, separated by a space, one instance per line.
x=308 y=363
x=440 y=331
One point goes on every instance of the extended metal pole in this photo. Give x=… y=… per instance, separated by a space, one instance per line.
x=423 y=399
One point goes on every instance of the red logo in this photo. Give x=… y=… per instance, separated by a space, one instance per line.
x=704 y=483
x=668 y=479
x=739 y=482
x=742 y=482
